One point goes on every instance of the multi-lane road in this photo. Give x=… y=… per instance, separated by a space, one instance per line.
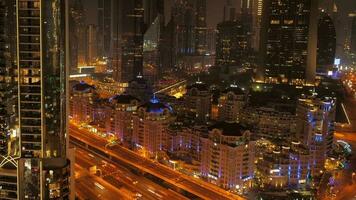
x=117 y=153
x=119 y=178
x=90 y=187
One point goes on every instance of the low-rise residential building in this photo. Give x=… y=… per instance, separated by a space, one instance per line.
x=198 y=100
x=272 y=122
x=285 y=166
x=185 y=140
x=228 y=155
x=315 y=127
x=81 y=103
x=123 y=107
x=150 y=125
x=230 y=104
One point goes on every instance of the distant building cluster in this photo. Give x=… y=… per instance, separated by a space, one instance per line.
x=276 y=144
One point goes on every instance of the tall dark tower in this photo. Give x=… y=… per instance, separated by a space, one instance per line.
x=290 y=41
x=153 y=39
x=38 y=140
x=153 y=9
x=105 y=27
x=132 y=39
x=183 y=19
x=77 y=39
x=326 y=44
x=246 y=18
x=231 y=43
x=200 y=28
x=229 y=11
x=353 y=35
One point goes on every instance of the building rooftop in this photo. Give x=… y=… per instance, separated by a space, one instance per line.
x=155 y=106
x=229 y=129
x=139 y=80
x=235 y=89
x=123 y=99
x=83 y=87
x=198 y=85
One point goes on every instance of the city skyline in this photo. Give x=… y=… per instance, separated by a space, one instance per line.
x=177 y=99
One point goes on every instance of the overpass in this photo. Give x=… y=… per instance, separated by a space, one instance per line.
x=119 y=154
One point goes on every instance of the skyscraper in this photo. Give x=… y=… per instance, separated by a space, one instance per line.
x=152 y=51
x=353 y=35
x=38 y=143
x=229 y=11
x=7 y=101
x=92 y=43
x=132 y=39
x=290 y=43
x=152 y=9
x=105 y=27
x=183 y=19
x=231 y=43
x=326 y=44
x=256 y=23
x=200 y=28
x=246 y=18
x=77 y=40
x=7 y=80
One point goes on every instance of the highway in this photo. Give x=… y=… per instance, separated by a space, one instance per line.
x=122 y=178
x=195 y=186
x=90 y=187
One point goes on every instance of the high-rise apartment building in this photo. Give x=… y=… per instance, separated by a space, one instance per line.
x=326 y=44
x=38 y=142
x=290 y=40
x=150 y=126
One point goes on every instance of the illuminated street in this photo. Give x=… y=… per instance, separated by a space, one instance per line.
x=124 y=179
x=196 y=187
x=91 y=187
x=346 y=185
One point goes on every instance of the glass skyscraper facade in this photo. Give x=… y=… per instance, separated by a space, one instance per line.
x=290 y=40
x=37 y=138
